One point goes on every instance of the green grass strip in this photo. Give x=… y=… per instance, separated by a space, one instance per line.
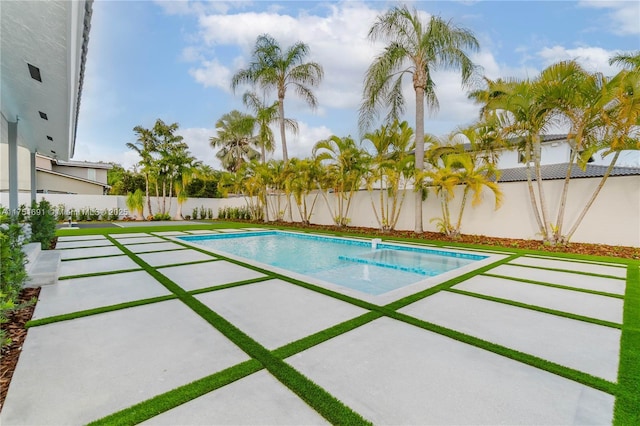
x=320 y=400
x=627 y=407
x=398 y=304
x=195 y=262
x=175 y=397
x=546 y=268
x=563 y=287
x=97 y=274
x=537 y=308
x=95 y=311
x=584 y=262
x=324 y=335
x=534 y=361
x=229 y=285
x=92 y=257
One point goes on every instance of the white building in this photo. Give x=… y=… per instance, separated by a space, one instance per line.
x=44 y=48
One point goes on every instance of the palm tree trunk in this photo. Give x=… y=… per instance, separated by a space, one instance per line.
x=563 y=197
x=462 y=205
x=419 y=160
x=593 y=198
x=146 y=190
x=283 y=138
x=532 y=194
x=543 y=202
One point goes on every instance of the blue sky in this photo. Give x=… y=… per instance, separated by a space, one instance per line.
x=174 y=59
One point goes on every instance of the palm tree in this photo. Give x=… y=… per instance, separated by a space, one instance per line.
x=264 y=117
x=524 y=114
x=629 y=61
x=145 y=146
x=235 y=139
x=168 y=145
x=273 y=68
x=305 y=175
x=418 y=49
x=346 y=167
x=391 y=168
x=455 y=168
x=185 y=167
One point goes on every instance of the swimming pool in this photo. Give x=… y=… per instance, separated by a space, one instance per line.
x=350 y=263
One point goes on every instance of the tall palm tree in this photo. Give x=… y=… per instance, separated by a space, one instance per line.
x=235 y=140
x=265 y=115
x=274 y=68
x=145 y=146
x=418 y=49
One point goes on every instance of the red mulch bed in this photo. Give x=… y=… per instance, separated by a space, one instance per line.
x=575 y=248
x=17 y=333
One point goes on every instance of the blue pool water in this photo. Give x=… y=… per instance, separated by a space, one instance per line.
x=345 y=262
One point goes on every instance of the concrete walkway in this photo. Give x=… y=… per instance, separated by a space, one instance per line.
x=387 y=370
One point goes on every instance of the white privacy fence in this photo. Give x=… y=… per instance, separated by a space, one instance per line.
x=613 y=219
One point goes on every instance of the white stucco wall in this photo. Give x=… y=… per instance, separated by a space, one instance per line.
x=613 y=219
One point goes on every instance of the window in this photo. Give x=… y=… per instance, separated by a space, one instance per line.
x=522 y=158
x=91 y=174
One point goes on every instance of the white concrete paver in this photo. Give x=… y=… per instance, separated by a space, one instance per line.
x=202 y=275
x=77 y=371
x=395 y=373
x=129 y=235
x=148 y=247
x=608 y=285
x=92 y=266
x=587 y=347
x=81 y=238
x=202 y=231
x=140 y=240
x=173 y=257
x=169 y=233
x=620 y=272
x=89 y=252
x=575 y=302
x=258 y=399
x=275 y=312
x=78 y=294
x=83 y=243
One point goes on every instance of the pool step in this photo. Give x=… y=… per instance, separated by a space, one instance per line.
x=42 y=267
x=366 y=261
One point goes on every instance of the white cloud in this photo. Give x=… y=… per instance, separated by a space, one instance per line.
x=198 y=140
x=212 y=74
x=593 y=59
x=623 y=17
x=301 y=145
x=337 y=41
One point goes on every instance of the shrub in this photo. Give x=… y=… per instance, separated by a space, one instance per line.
x=209 y=213
x=82 y=215
x=43 y=223
x=94 y=214
x=12 y=268
x=161 y=216
x=61 y=213
x=115 y=214
x=195 y=213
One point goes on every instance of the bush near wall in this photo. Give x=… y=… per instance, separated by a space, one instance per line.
x=43 y=223
x=12 y=268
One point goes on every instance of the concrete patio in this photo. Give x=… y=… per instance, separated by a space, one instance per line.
x=388 y=370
